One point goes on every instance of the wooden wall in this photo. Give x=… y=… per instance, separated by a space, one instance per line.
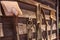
x=9 y=28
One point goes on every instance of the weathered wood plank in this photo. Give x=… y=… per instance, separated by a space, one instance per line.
x=35 y=4
x=1 y=30
x=52 y=2
x=22 y=28
x=28 y=14
x=47 y=1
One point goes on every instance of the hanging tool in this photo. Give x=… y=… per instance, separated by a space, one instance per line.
x=45 y=23
x=29 y=30
x=52 y=16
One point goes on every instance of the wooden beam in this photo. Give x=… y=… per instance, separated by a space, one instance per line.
x=54 y=1
x=25 y=16
x=35 y=4
x=51 y=2
x=47 y=7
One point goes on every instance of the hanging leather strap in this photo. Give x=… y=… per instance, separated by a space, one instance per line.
x=45 y=23
x=52 y=16
x=29 y=29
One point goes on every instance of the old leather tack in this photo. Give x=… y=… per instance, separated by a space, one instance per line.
x=29 y=26
x=11 y=8
x=52 y=15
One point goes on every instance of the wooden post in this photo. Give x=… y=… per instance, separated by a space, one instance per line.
x=16 y=22
x=39 y=22
x=57 y=19
x=16 y=25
